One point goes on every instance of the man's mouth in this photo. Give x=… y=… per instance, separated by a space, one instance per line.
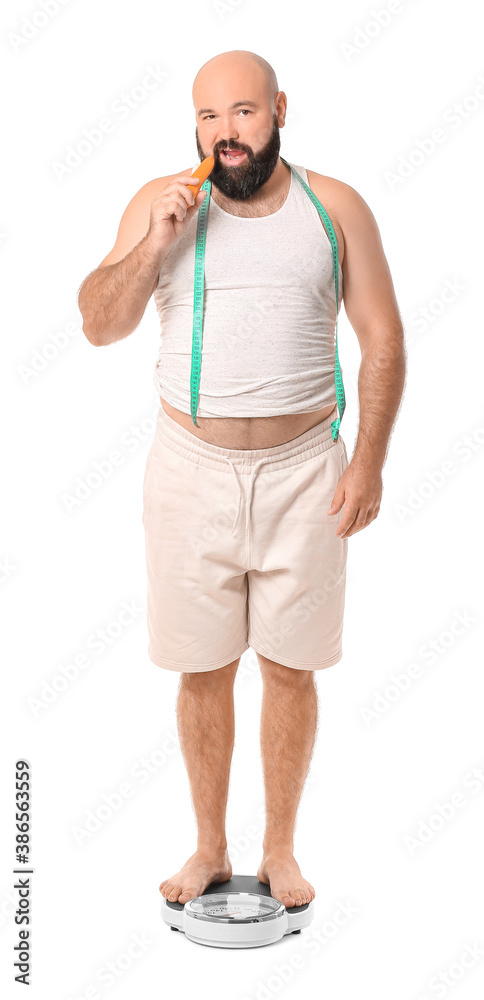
x=233 y=156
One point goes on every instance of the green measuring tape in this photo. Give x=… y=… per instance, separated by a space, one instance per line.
x=199 y=297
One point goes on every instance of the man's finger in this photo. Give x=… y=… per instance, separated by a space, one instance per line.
x=347 y=522
x=337 y=501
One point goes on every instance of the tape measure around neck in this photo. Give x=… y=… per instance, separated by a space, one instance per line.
x=198 y=299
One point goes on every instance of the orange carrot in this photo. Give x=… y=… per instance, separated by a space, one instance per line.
x=202 y=172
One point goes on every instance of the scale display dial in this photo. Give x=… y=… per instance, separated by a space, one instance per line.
x=234 y=907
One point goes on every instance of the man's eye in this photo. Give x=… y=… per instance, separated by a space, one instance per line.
x=245 y=111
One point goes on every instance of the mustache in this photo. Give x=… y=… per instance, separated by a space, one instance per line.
x=231 y=148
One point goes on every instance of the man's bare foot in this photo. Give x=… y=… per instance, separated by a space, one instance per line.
x=281 y=871
x=200 y=870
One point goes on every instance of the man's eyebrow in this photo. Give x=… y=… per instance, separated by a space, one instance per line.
x=238 y=104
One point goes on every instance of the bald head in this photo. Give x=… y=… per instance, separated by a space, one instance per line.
x=239 y=109
x=232 y=69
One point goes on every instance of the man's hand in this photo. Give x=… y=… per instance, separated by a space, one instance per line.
x=360 y=490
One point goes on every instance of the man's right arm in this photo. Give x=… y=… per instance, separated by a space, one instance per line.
x=113 y=298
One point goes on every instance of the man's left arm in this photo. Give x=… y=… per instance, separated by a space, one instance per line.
x=371 y=307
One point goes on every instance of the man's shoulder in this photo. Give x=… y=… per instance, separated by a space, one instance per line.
x=342 y=201
x=334 y=190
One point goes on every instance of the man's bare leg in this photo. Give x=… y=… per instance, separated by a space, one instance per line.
x=205 y=718
x=288 y=728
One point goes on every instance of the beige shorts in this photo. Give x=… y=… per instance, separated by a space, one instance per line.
x=241 y=552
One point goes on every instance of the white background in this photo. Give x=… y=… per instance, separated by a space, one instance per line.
x=66 y=573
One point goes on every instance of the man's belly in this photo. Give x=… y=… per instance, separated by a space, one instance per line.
x=248 y=432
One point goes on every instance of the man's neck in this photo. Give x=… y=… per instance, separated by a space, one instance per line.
x=267 y=200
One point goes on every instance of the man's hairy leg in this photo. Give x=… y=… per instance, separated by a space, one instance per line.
x=206 y=727
x=288 y=729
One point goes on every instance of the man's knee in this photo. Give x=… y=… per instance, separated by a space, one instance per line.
x=205 y=677
x=271 y=670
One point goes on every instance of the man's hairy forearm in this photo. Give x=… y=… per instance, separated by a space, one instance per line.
x=381 y=381
x=113 y=298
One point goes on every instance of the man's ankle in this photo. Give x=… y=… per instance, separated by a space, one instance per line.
x=211 y=846
x=277 y=847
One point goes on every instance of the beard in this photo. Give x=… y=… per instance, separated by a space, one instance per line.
x=241 y=182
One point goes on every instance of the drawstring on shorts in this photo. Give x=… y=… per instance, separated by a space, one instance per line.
x=249 y=494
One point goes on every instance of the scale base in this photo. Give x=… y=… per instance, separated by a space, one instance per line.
x=219 y=923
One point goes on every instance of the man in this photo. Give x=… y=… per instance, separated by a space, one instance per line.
x=262 y=441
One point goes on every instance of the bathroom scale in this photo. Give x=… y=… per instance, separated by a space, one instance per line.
x=238 y=913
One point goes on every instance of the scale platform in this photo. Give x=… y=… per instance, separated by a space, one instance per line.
x=239 y=913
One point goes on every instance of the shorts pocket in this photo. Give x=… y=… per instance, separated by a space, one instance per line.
x=343 y=456
x=147 y=488
x=330 y=464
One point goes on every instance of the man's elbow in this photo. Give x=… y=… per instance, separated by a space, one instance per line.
x=91 y=336
x=108 y=336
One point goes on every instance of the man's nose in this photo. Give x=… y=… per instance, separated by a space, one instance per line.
x=225 y=133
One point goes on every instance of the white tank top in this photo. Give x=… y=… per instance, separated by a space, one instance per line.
x=268 y=344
